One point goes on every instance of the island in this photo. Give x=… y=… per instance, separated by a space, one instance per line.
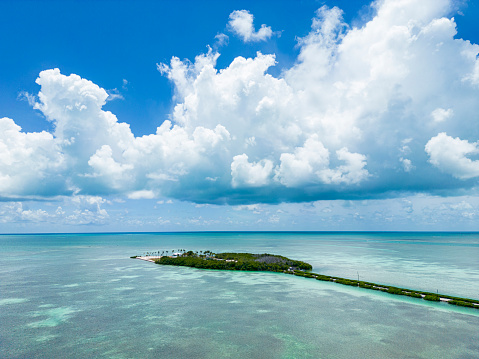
x=276 y=263
x=229 y=261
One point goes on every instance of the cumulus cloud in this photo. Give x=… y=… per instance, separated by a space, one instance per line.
x=351 y=172
x=306 y=164
x=30 y=163
x=87 y=210
x=362 y=113
x=450 y=155
x=241 y=23
x=244 y=173
x=441 y=115
x=82 y=210
x=15 y=212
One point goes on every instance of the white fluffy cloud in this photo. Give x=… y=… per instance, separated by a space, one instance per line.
x=362 y=112
x=15 y=212
x=450 y=155
x=441 y=115
x=307 y=164
x=244 y=173
x=310 y=164
x=29 y=162
x=241 y=23
x=81 y=210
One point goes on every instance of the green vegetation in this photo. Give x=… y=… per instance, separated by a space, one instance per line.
x=463 y=303
x=394 y=290
x=276 y=263
x=432 y=297
x=234 y=261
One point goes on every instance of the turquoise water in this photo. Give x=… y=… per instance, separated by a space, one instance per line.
x=79 y=296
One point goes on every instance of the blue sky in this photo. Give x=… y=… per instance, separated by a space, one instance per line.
x=240 y=115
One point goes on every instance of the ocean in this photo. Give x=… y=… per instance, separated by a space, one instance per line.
x=81 y=296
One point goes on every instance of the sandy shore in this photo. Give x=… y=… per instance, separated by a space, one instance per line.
x=149 y=258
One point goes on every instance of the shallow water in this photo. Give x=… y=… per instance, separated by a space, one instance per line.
x=80 y=296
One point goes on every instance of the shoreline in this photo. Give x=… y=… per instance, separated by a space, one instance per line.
x=151 y=259
x=428 y=296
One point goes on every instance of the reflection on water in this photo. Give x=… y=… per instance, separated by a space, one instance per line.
x=81 y=296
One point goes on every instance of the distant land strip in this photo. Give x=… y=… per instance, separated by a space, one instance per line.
x=275 y=263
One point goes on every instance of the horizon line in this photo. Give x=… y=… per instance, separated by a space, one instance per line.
x=246 y=231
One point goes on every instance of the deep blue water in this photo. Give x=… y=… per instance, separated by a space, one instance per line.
x=80 y=295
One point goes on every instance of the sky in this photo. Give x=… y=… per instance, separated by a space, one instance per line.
x=147 y=116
